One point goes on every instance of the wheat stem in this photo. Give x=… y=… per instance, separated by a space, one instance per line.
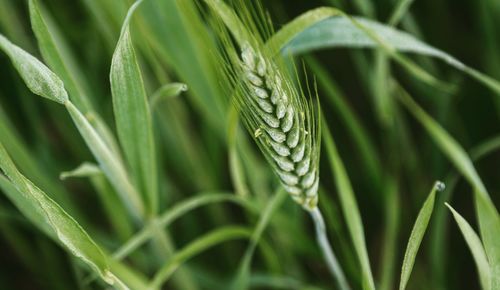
x=326 y=248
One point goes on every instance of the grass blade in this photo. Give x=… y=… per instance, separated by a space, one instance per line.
x=58 y=57
x=448 y=145
x=349 y=207
x=489 y=226
x=329 y=27
x=417 y=234
x=27 y=209
x=475 y=247
x=67 y=230
x=133 y=117
x=38 y=77
x=489 y=220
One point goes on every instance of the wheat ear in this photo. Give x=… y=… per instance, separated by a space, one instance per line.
x=286 y=129
x=283 y=121
x=284 y=125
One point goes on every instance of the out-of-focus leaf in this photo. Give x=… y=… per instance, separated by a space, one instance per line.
x=329 y=27
x=349 y=207
x=133 y=117
x=197 y=246
x=39 y=79
x=476 y=248
x=242 y=278
x=489 y=226
x=165 y=92
x=86 y=169
x=230 y=19
x=448 y=145
x=176 y=212
x=334 y=98
x=109 y=163
x=105 y=132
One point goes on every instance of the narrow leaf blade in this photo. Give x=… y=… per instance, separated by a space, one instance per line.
x=475 y=246
x=417 y=234
x=349 y=207
x=133 y=117
x=68 y=231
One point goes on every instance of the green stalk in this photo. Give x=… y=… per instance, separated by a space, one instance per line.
x=326 y=249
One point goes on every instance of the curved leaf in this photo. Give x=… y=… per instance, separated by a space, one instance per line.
x=85 y=169
x=329 y=27
x=165 y=92
x=67 y=230
x=475 y=247
x=38 y=78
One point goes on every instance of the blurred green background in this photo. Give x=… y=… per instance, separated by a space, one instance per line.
x=194 y=157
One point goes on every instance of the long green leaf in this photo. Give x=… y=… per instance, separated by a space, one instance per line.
x=329 y=27
x=27 y=209
x=349 y=207
x=39 y=79
x=67 y=230
x=489 y=220
x=58 y=56
x=475 y=247
x=417 y=234
x=197 y=246
x=450 y=147
x=489 y=226
x=133 y=117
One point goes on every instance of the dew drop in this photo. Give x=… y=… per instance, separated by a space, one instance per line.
x=439 y=186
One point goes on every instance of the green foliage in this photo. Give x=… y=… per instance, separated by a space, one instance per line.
x=129 y=186
x=44 y=210
x=349 y=208
x=475 y=246
x=133 y=117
